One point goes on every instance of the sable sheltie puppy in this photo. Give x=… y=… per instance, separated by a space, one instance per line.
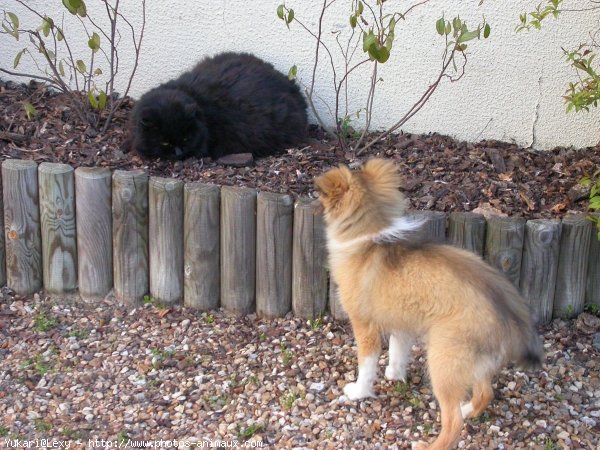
x=471 y=318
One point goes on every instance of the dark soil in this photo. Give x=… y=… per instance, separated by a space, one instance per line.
x=440 y=173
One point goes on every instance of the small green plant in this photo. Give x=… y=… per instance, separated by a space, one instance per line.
x=549 y=444
x=71 y=434
x=262 y=336
x=42 y=426
x=402 y=388
x=79 y=333
x=3 y=431
x=148 y=300
x=253 y=379
x=30 y=111
x=568 y=311
x=591 y=308
x=559 y=397
x=218 y=401
x=371 y=27
x=484 y=417
x=44 y=322
x=38 y=363
x=287 y=401
x=248 y=432
x=122 y=437
x=208 y=318
x=94 y=98
x=316 y=323
x=287 y=355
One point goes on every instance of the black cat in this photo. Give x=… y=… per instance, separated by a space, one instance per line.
x=230 y=103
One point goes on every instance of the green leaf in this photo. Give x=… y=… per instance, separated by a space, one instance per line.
x=448 y=29
x=486 y=31
x=293 y=72
x=102 y=100
x=46 y=25
x=353 y=21
x=72 y=5
x=457 y=24
x=61 y=69
x=94 y=42
x=92 y=100
x=98 y=71
x=368 y=40
x=80 y=66
x=18 y=58
x=280 y=12
x=290 y=16
x=14 y=32
x=59 y=34
x=30 y=111
x=392 y=25
x=440 y=26
x=360 y=8
x=468 y=36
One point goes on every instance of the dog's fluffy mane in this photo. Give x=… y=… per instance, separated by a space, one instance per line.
x=361 y=202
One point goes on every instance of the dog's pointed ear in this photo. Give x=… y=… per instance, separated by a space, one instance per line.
x=334 y=183
x=382 y=172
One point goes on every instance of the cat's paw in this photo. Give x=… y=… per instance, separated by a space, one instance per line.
x=355 y=391
x=421 y=445
x=395 y=373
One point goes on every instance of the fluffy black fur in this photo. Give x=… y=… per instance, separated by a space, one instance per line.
x=230 y=103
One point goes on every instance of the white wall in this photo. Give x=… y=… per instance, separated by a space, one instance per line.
x=511 y=91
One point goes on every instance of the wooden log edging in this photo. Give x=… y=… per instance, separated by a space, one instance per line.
x=22 y=226
x=94 y=231
x=57 y=213
x=130 y=235
x=165 y=236
x=504 y=245
x=238 y=249
x=309 y=266
x=569 y=295
x=274 y=218
x=539 y=266
x=206 y=246
x=202 y=246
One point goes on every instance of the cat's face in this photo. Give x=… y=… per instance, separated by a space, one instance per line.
x=169 y=125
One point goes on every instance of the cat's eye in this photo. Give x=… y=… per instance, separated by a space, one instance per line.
x=164 y=144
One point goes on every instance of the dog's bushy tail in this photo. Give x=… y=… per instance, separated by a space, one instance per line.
x=525 y=345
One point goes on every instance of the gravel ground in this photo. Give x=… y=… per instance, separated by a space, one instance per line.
x=73 y=372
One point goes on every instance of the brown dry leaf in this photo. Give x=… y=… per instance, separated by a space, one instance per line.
x=561 y=206
x=163 y=312
x=505 y=177
x=526 y=199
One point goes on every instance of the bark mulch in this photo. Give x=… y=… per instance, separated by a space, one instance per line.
x=440 y=173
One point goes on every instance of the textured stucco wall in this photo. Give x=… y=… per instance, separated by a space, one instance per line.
x=511 y=90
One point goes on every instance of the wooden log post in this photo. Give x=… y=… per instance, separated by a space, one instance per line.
x=22 y=226
x=201 y=255
x=2 y=240
x=130 y=235
x=57 y=213
x=238 y=249
x=309 y=265
x=569 y=296
x=94 y=232
x=467 y=230
x=592 y=292
x=166 y=239
x=434 y=228
x=504 y=245
x=539 y=266
x=274 y=225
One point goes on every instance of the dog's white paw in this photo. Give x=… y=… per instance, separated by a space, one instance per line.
x=355 y=391
x=395 y=373
x=466 y=410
